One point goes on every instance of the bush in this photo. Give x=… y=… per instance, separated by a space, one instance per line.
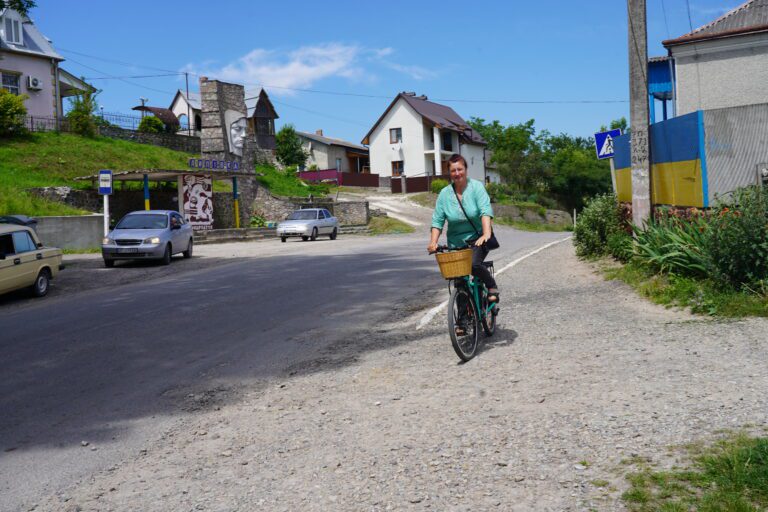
x=620 y=245
x=12 y=113
x=737 y=241
x=674 y=245
x=599 y=219
x=151 y=124
x=257 y=221
x=437 y=185
x=81 y=114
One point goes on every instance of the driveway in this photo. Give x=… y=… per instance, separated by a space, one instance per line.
x=581 y=375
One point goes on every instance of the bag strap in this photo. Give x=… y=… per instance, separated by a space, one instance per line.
x=453 y=185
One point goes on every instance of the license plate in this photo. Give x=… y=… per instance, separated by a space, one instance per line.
x=127 y=250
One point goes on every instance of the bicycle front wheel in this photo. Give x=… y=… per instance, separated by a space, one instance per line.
x=463 y=324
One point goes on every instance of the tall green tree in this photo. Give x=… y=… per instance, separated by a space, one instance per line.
x=288 y=148
x=22 y=6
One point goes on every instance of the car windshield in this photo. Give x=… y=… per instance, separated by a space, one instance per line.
x=158 y=221
x=303 y=215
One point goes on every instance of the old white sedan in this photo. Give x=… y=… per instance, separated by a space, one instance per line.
x=309 y=223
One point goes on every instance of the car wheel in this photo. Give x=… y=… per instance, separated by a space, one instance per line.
x=334 y=234
x=109 y=263
x=188 y=252
x=282 y=239
x=313 y=236
x=167 y=255
x=305 y=238
x=43 y=281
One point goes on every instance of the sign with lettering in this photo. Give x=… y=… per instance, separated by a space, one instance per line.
x=213 y=165
x=105 y=182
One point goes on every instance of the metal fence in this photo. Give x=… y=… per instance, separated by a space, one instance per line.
x=51 y=124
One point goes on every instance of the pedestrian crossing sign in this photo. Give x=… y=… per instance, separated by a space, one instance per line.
x=604 y=143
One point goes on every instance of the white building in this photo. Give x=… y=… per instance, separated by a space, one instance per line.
x=30 y=65
x=724 y=63
x=329 y=153
x=413 y=133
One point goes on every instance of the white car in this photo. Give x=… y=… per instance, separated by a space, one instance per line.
x=309 y=223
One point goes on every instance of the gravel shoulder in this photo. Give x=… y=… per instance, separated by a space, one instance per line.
x=580 y=375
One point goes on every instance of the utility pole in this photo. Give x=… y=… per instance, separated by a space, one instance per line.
x=638 y=105
x=189 y=119
x=143 y=101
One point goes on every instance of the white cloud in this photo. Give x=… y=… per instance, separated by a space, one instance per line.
x=303 y=67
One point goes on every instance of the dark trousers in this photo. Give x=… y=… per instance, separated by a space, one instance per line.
x=479 y=270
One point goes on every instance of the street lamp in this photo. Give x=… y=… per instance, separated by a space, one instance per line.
x=143 y=100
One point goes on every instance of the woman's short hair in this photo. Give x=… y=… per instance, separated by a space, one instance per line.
x=458 y=158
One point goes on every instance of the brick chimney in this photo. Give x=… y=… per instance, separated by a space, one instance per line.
x=319 y=132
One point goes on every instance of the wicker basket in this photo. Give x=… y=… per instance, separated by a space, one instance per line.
x=455 y=263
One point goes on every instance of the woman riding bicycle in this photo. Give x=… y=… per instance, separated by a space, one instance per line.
x=477 y=205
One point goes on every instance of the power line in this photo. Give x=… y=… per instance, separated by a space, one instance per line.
x=121 y=79
x=666 y=23
x=321 y=114
x=340 y=93
x=124 y=77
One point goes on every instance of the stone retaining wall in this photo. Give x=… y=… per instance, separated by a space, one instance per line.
x=275 y=208
x=185 y=143
x=532 y=215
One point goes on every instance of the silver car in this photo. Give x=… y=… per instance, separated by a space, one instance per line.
x=309 y=223
x=150 y=234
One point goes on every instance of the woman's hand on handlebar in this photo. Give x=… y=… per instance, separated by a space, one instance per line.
x=432 y=247
x=480 y=241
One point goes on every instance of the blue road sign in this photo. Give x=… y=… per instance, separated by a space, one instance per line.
x=105 y=182
x=604 y=143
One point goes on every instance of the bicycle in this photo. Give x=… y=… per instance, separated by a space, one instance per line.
x=468 y=307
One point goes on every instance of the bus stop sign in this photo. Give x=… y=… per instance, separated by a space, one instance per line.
x=105 y=182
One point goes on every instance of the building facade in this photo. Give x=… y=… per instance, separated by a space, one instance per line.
x=329 y=153
x=415 y=137
x=30 y=65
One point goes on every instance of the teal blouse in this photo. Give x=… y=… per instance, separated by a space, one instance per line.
x=477 y=205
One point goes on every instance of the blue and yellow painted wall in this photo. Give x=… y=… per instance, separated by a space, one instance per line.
x=678 y=163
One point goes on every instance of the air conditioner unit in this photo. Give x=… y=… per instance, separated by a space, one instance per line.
x=34 y=84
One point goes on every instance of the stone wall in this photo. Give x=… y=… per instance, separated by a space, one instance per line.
x=274 y=208
x=532 y=215
x=185 y=143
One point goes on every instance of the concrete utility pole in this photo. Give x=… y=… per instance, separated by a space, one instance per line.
x=638 y=105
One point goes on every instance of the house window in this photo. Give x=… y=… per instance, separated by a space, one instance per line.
x=338 y=164
x=12 y=31
x=395 y=135
x=446 y=141
x=11 y=83
x=198 y=123
x=265 y=126
x=183 y=122
x=397 y=168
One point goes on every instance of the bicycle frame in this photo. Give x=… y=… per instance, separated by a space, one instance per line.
x=476 y=288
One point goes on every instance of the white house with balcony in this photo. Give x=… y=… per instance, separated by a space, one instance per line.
x=30 y=65
x=415 y=137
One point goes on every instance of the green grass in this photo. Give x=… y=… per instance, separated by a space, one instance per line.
x=426 y=199
x=729 y=476
x=389 y=226
x=530 y=226
x=50 y=159
x=89 y=250
x=287 y=184
x=702 y=296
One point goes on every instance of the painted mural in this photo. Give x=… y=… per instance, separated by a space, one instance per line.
x=198 y=201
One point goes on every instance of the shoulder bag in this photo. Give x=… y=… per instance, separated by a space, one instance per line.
x=491 y=243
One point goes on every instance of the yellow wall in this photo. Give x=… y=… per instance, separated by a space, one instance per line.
x=676 y=183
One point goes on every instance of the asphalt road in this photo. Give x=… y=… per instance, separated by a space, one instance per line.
x=115 y=367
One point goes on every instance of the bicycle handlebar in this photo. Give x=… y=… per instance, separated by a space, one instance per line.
x=440 y=248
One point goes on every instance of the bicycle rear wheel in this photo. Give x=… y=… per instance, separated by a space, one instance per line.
x=463 y=324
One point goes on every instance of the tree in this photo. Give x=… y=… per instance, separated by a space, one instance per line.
x=12 y=113
x=288 y=148
x=81 y=114
x=151 y=124
x=22 y=6
x=620 y=123
x=575 y=173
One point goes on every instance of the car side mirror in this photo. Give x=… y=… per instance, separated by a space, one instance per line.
x=175 y=226
x=39 y=245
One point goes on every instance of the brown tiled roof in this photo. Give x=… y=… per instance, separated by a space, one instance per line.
x=165 y=115
x=435 y=113
x=750 y=17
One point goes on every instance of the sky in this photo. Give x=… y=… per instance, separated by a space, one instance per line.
x=336 y=66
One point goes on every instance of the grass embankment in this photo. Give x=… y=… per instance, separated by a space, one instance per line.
x=702 y=296
x=389 y=226
x=51 y=159
x=287 y=184
x=731 y=475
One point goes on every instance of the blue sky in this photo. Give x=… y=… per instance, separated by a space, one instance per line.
x=550 y=50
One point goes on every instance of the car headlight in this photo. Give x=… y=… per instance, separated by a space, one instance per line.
x=152 y=240
x=106 y=241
